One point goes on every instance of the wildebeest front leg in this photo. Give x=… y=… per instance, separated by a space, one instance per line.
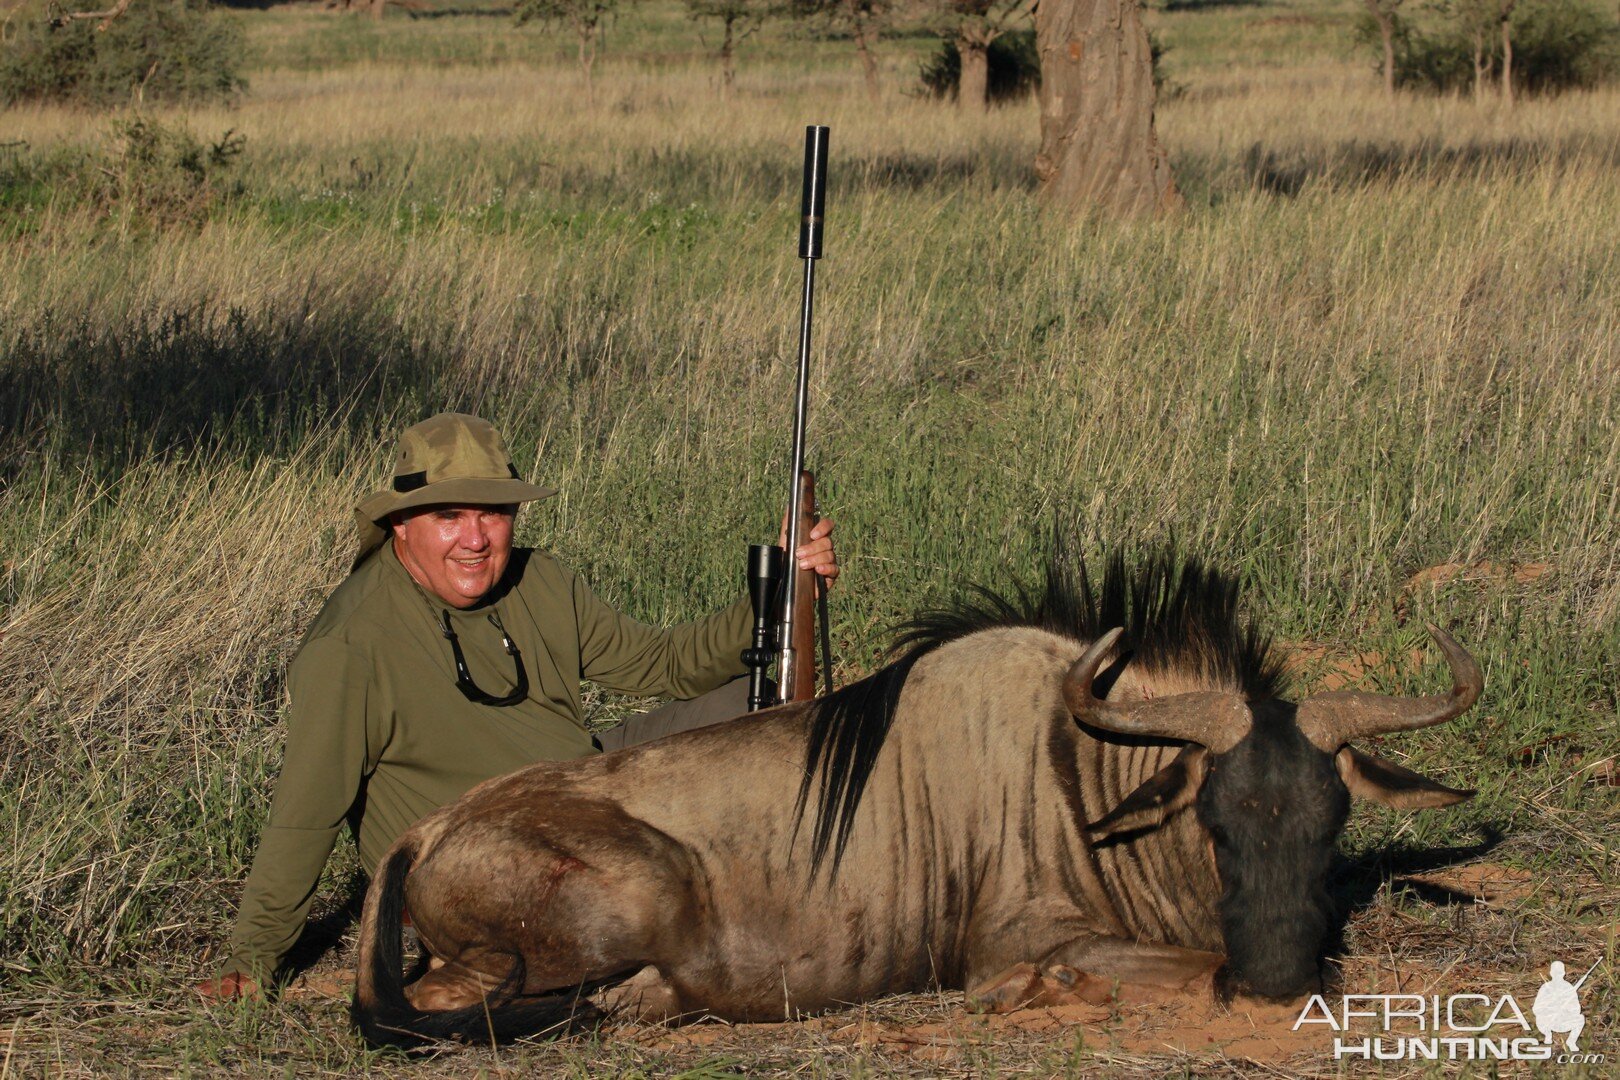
x=645 y=997
x=1088 y=969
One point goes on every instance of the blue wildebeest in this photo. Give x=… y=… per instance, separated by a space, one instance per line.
x=1095 y=777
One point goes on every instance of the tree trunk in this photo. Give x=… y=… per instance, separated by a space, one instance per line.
x=1386 y=28
x=1507 y=55
x=587 y=59
x=1479 y=64
x=973 y=85
x=1098 y=144
x=1385 y=18
x=728 y=68
x=863 y=45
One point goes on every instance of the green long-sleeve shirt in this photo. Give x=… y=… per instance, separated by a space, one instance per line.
x=378 y=727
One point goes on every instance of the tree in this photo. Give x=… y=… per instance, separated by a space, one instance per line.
x=862 y=19
x=1476 y=39
x=587 y=18
x=1506 y=45
x=974 y=25
x=739 y=21
x=1015 y=69
x=1383 y=14
x=1504 y=14
x=1475 y=20
x=103 y=18
x=1098 y=144
x=173 y=50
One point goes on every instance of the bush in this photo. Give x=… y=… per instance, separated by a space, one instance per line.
x=1562 y=46
x=157 y=50
x=146 y=173
x=1557 y=45
x=167 y=174
x=1015 y=69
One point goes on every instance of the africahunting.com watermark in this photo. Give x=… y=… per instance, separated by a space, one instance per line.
x=1460 y=1027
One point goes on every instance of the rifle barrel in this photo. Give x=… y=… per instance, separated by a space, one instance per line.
x=812 y=219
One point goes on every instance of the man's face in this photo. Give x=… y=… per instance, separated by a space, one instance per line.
x=457 y=553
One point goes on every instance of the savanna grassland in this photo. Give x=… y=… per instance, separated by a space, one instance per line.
x=1374 y=367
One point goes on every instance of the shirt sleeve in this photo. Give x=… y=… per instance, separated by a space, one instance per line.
x=681 y=661
x=326 y=758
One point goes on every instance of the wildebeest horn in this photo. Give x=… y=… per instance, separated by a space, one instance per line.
x=1331 y=720
x=1213 y=719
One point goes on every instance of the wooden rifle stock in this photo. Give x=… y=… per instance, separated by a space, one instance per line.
x=768 y=583
x=804 y=612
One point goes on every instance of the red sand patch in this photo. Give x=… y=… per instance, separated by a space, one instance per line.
x=1140 y=1023
x=1143 y=1021
x=1486 y=882
x=1325 y=669
x=1603 y=773
x=1499 y=573
x=1480 y=573
x=321 y=984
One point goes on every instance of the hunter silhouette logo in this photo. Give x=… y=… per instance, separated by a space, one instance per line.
x=1558 y=1006
x=1458 y=1027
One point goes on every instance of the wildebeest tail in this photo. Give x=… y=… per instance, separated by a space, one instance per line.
x=386 y=1017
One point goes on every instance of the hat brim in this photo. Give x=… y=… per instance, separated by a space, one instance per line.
x=374 y=509
x=460 y=491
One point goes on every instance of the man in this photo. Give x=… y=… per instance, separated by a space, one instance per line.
x=448 y=657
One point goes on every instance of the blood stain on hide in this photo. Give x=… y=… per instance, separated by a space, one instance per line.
x=548 y=888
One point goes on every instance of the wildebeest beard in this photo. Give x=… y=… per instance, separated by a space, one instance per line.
x=1274 y=806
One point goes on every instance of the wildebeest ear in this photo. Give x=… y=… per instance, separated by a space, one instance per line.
x=1162 y=794
x=1385 y=782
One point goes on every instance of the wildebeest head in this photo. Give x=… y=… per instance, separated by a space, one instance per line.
x=1271 y=782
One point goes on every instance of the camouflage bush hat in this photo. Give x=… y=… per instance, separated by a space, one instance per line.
x=451 y=458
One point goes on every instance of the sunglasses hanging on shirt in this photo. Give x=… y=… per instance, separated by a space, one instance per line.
x=464 y=680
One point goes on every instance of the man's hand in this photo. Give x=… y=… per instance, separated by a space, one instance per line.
x=816 y=552
x=229 y=987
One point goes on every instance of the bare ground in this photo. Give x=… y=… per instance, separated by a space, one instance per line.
x=1480 y=927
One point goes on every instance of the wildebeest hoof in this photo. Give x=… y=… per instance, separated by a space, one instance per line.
x=1070 y=986
x=1014 y=988
x=645 y=997
x=1025 y=986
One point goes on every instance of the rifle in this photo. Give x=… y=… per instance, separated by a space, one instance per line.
x=785 y=602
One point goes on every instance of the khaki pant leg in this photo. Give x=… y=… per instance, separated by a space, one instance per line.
x=730 y=700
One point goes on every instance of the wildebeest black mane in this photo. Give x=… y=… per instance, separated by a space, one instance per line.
x=1177 y=614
